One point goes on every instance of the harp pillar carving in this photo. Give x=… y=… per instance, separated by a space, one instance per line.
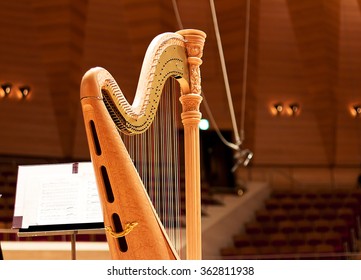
x=190 y=119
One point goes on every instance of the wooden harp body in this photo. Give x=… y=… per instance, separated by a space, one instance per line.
x=133 y=228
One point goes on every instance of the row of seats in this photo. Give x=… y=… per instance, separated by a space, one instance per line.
x=293 y=239
x=316 y=202
x=308 y=252
x=284 y=231
x=312 y=214
x=301 y=226
x=327 y=193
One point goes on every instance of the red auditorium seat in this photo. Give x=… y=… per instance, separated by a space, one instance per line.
x=334 y=239
x=320 y=203
x=296 y=194
x=304 y=226
x=335 y=202
x=352 y=203
x=272 y=203
x=314 y=238
x=269 y=252
x=287 y=226
x=311 y=195
x=341 y=194
x=287 y=203
x=325 y=252
x=304 y=203
x=248 y=252
x=279 y=215
x=279 y=194
x=295 y=214
x=278 y=239
x=322 y=225
x=327 y=194
x=253 y=227
x=305 y=252
x=260 y=240
x=296 y=239
x=263 y=215
x=242 y=240
x=287 y=252
x=328 y=214
x=270 y=227
x=312 y=214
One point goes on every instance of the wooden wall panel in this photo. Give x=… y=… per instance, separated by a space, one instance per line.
x=348 y=134
x=299 y=51
x=283 y=139
x=27 y=126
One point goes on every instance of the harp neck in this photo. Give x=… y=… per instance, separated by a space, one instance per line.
x=176 y=55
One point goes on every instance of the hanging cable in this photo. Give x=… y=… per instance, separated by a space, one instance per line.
x=242 y=156
x=176 y=11
x=245 y=70
x=209 y=112
x=224 y=71
x=214 y=124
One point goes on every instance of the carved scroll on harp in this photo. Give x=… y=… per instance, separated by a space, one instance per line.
x=134 y=227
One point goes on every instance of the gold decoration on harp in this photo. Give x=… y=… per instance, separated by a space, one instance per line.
x=128 y=228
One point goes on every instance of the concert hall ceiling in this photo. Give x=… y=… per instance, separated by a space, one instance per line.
x=299 y=51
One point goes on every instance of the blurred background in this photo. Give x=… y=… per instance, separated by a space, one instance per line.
x=293 y=72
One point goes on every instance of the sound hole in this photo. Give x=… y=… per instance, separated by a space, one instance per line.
x=98 y=150
x=122 y=243
x=108 y=187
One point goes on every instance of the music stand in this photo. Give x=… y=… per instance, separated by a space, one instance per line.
x=57 y=199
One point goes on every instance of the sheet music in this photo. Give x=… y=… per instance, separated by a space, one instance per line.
x=54 y=194
x=68 y=200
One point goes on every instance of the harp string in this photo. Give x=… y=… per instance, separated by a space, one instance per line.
x=156 y=156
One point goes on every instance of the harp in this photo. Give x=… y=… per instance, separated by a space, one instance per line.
x=134 y=229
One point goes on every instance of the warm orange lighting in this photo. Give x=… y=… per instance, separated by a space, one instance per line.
x=280 y=108
x=293 y=109
x=277 y=109
x=6 y=89
x=356 y=110
x=25 y=90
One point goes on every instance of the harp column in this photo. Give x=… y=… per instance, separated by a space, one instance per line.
x=190 y=118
